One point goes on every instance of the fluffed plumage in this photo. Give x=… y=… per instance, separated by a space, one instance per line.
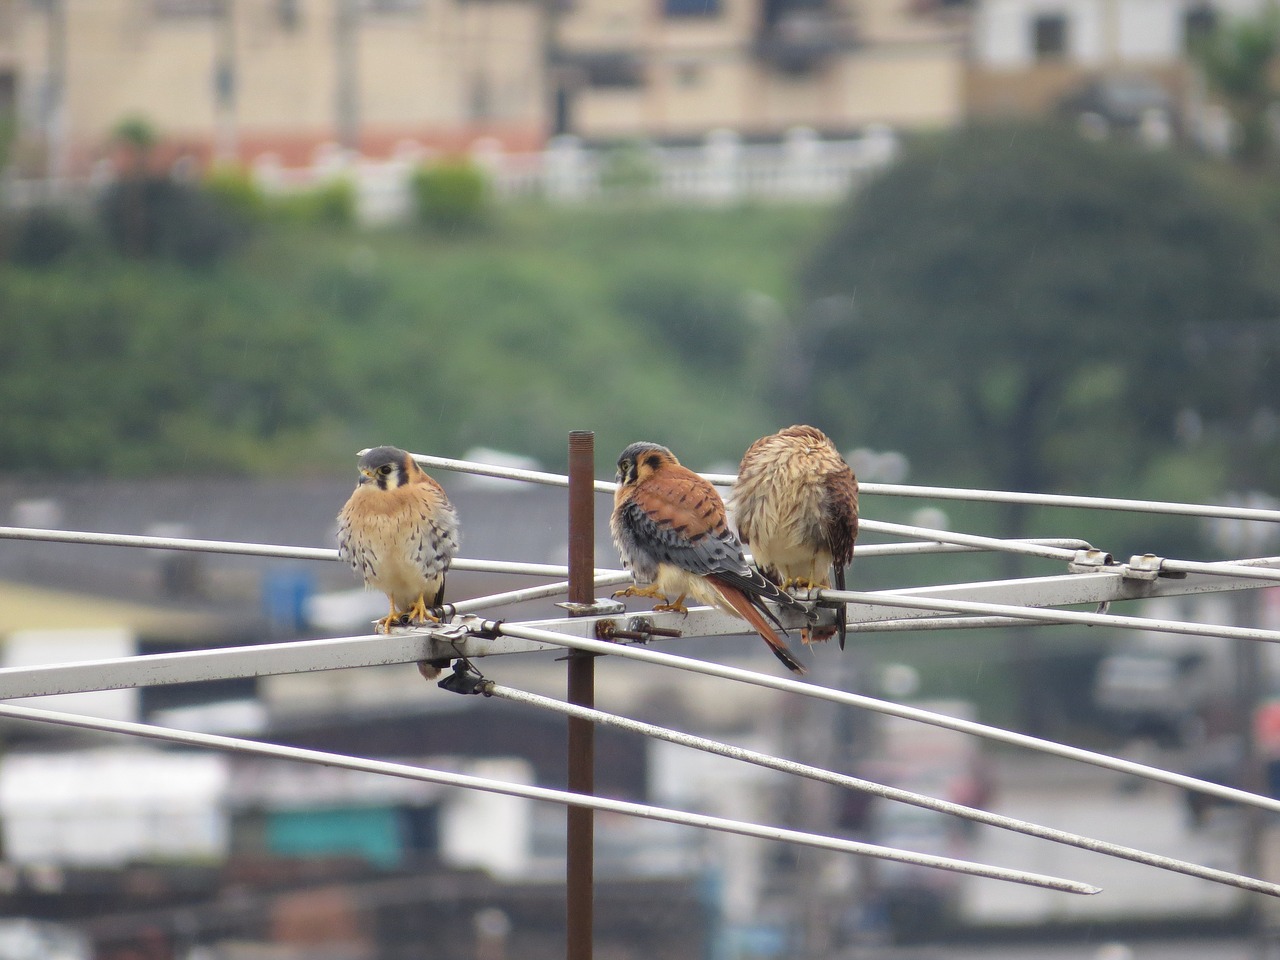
x=399 y=533
x=669 y=525
x=796 y=505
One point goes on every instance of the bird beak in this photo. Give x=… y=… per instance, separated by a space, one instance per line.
x=367 y=474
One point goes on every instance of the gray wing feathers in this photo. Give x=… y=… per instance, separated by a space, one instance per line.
x=660 y=543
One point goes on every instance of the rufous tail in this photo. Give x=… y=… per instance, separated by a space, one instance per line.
x=747 y=611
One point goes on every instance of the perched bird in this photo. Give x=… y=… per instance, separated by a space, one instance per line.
x=669 y=526
x=796 y=505
x=399 y=533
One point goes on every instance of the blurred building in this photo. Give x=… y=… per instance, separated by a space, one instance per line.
x=244 y=78
x=677 y=68
x=1119 y=64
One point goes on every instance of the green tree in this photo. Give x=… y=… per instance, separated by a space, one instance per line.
x=1018 y=305
x=1240 y=60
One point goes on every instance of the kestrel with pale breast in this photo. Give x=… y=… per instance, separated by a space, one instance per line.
x=399 y=533
x=796 y=506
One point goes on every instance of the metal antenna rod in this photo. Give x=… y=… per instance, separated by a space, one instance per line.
x=624 y=807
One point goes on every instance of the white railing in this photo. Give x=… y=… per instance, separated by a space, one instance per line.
x=801 y=167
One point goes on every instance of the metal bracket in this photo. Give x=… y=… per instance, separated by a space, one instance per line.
x=465 y=679
x=1090 y=561
x=474 y=626
x=606 y=607
x=1148 y=567
x=639 y=629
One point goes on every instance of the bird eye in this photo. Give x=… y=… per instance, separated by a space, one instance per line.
x=385 y=469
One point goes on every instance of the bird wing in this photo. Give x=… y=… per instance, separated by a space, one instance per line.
x=679 y=519
x=434 y=540
x=839 y=512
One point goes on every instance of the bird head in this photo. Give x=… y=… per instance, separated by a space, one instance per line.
x=386 y=467
x=641 y=459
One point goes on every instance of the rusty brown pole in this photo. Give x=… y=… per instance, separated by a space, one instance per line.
x=580 y=846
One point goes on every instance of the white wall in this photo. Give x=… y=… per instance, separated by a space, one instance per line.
x=110 y=806
x=32 y=648
x=1098 y=31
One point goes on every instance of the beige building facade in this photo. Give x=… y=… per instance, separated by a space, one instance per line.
x=678 y=68
x=237 y=78
x=242 y=78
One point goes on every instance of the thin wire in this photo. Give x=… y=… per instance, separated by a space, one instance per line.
x=266 y=550
x=932 y=545
x=1048 y=500
x=957 y=542
x=1061 y=500
x=1028 y=547
x=943 y=623
x=529 y=593
x=627 y=808
x=1053 y=616
x=890 y=709
x=492 y=689
x=901 y=490
x=1250 y=569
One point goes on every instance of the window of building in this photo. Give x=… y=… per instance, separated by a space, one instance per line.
x=1197 y=24
x=691 y=8
x=612 y=69
x=1049 y=36
x=289 y=14
x=480 y=98
x=391 y=6
x=688 y=75
x=187 y=8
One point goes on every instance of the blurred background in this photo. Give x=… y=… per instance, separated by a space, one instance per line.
x=1005 y=244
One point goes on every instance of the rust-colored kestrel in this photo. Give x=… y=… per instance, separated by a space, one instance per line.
x=796 y=505
x=399 y=533
x=669 y=526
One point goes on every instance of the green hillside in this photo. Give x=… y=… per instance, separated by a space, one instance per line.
x=312 y=341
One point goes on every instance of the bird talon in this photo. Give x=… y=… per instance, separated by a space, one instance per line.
x=802 y=585
x=652 y=592
x=676 y=607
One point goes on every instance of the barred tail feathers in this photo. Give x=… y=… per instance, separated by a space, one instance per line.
x=743 y=606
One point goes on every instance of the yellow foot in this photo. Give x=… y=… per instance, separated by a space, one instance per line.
x=801 y=583
x=652 y=592
x=676 y=607
x=419 y=613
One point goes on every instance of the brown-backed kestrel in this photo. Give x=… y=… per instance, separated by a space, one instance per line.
x=796 y=505
x=399 y=533
x=669 y=526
